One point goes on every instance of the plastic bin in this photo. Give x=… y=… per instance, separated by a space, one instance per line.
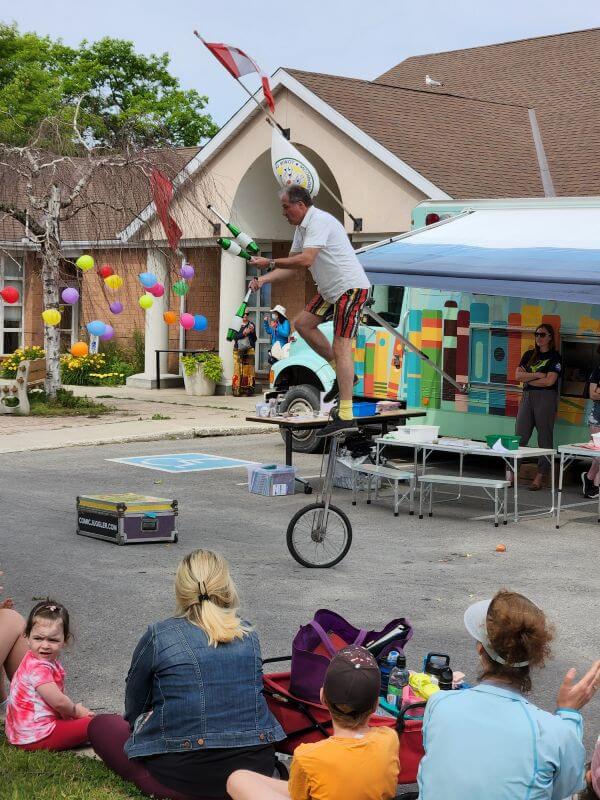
x=364 y=409
x=422 y=434
x=271 y=480
x=508 y=441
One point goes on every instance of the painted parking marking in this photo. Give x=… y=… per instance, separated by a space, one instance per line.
x=183 y=462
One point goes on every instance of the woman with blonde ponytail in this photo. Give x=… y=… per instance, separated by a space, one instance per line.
x=194 y=708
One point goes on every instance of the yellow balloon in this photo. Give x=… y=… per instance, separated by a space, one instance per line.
x=114 y=281
x=85 y=262
x=51 y=316
x=146 y=301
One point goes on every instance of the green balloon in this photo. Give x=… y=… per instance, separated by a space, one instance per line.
x=180 y=288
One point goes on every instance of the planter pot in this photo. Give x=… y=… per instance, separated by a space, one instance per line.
x=198 y=384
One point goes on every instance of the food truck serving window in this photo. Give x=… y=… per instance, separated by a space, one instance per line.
x=579 y=357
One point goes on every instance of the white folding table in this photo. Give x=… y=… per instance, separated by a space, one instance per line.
x=511 y=459
x=568 y=454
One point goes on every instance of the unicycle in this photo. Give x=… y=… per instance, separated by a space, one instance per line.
x=320 y=534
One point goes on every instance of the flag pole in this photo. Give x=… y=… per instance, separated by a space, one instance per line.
x=357 y=221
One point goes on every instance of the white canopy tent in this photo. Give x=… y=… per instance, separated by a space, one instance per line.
x=549 y=253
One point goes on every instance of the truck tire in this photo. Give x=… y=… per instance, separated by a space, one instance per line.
x=303 y=399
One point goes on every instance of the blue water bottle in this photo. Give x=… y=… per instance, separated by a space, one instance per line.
x=385 y=667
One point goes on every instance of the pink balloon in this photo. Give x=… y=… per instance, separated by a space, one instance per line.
x=186 y=321
x=157 y=290
x=108 y=333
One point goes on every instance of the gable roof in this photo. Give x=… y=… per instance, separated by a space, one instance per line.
x=469 y=148
x=558 y=76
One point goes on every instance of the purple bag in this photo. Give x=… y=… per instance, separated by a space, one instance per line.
x=315 y=645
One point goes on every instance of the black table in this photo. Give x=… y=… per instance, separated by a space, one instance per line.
x=289 y=424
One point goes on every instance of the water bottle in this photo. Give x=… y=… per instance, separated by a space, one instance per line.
x=385 y=668
x=397 y=681
x=445 y=679
x=376 y=646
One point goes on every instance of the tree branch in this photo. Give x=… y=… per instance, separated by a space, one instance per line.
x=20 y=215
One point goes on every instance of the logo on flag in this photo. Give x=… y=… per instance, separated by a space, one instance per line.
x=290 y=167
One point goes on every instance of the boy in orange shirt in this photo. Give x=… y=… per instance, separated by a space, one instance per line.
x=356 y=763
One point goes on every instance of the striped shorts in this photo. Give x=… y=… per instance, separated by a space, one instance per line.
x=345 y=312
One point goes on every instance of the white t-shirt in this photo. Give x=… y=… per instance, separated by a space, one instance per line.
x=336 y=269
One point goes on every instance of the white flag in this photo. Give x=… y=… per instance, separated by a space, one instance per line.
x=290 y=167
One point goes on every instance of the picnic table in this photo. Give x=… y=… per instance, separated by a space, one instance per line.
x=462 y=448
x=568 y=454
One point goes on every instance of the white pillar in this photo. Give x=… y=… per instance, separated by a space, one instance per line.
x=233 y=289
x=156 y=333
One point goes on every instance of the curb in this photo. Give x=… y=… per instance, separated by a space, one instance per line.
x=191 y=433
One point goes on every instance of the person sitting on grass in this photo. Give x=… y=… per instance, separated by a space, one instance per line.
x=490 y=741
x=356 y=763
x=194 y=707
x=39 y=715
x=13 y=646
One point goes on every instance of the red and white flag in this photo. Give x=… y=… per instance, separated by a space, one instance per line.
x=239 y=63
x=162 y=193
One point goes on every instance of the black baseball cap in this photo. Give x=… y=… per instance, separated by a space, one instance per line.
x=352 y=680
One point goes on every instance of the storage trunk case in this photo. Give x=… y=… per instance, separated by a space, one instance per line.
x=127 y=518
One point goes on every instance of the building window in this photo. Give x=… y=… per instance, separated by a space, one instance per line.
x=11 y=315
x=259 y=305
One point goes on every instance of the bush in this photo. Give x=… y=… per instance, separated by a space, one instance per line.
x=78 y=370
x=9 y=365
x=210 y=362
x=139 y=352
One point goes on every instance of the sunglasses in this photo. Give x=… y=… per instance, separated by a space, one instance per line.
x=541 y=334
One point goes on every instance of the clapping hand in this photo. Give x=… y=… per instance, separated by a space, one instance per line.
x=576 y=695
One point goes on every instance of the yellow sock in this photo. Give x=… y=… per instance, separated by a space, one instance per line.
x=345 y=411
x=332 y=364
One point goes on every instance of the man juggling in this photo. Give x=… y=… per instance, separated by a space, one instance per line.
x=321 y=245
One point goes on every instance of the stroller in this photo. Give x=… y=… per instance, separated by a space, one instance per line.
x=304 y=721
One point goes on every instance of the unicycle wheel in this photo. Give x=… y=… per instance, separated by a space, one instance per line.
x=316 y=538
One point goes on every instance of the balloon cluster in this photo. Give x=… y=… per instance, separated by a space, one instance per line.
x=153 y=289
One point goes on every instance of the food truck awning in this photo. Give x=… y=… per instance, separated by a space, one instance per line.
x=551 y=254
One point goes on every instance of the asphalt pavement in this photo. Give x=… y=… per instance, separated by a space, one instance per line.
x=427 y=571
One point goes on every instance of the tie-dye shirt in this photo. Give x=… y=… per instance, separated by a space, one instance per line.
x=28 y=717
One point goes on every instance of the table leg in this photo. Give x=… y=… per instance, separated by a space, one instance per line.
x=552 y=479
x=559 y=493
x=516 y=491
x=288 y=446
x=158 y=369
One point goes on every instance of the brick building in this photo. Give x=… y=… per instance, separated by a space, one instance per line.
x=513 y=119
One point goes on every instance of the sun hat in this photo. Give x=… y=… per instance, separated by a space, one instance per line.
x=476 y=624
x=280 y=310
x=352 y=679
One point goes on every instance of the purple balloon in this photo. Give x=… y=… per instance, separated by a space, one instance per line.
x=108 y=333
x=186 y=271
x=70 y=296
x=116 y=307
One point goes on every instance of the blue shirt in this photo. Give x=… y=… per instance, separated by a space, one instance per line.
x=279 y=333
x=489 y=742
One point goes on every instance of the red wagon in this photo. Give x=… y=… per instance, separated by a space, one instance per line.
x=304 y=721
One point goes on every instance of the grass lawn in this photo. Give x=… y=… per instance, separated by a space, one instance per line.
x=58 y=776
x=66 y=405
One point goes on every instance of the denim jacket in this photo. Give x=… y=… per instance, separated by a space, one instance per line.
x=182 y=694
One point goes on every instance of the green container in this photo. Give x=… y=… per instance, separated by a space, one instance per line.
x=491 y=439
x=511 y=442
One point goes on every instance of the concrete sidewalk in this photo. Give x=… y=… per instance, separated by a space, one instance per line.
x=138 y=415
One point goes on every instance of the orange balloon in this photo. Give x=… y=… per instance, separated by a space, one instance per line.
x=79 y=349
x=501 y=548
x=170 y=317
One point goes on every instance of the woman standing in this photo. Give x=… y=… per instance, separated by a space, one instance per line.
x=490 y=741
x=539 y=371
x=194 y=707
x=244 y=374
x=591 y=478
x=277 y=326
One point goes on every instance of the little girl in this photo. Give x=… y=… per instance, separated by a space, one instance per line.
x=39 y=715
